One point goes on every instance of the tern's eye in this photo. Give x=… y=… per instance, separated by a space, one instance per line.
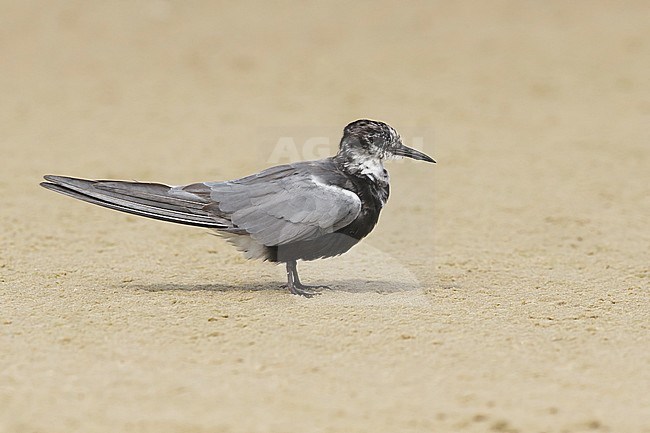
x=381 y=142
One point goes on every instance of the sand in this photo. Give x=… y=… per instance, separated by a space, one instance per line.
x=505 y=289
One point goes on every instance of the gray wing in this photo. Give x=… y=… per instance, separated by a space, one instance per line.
x=280 y=205
x=151 y=200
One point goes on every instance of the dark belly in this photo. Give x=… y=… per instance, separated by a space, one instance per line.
x=332 y=244
x=329 y=245
x=372 y=198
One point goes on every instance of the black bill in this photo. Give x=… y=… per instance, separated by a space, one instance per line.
x=412 y=153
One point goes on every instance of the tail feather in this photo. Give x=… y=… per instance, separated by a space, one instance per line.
x=149 y=200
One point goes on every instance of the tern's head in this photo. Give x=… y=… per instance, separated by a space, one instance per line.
x=376 y=140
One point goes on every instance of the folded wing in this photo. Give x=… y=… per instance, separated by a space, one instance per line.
x=150 y=200
x=278 y=206
x=281 y=205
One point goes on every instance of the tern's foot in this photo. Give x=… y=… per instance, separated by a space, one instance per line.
x=306 y=291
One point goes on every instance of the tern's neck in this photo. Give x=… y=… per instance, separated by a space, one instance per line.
x=362 y=165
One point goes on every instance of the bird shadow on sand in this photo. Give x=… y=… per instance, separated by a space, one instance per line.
x=348 y=286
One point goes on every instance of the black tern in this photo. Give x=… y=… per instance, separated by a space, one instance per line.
x=301 y=211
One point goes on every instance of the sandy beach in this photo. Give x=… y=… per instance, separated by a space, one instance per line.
x=505 y=289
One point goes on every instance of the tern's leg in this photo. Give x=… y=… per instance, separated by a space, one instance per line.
x=294 y=284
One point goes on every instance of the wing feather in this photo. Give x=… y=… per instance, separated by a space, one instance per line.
x=278 y=206
x=282 y=205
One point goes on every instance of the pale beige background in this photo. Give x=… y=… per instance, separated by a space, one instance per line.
x=506 y=289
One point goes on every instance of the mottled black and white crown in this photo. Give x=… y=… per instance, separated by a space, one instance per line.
x=370 y=139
